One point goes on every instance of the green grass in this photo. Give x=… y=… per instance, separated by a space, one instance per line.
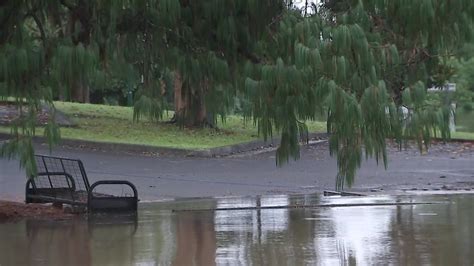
x=114 y=124
x=463 y=135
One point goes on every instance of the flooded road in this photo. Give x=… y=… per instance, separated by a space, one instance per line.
x=435 y=234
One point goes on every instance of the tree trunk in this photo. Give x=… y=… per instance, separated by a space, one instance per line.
x=179 y=100
x=190 y=108
x=80 y=13
x=80 y=93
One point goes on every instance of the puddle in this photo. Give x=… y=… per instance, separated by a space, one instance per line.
x=435 y=234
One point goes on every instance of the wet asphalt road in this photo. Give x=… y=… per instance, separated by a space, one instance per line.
x=446 y=166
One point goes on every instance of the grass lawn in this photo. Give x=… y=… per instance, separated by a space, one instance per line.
x=105 y=123
x=463 y=135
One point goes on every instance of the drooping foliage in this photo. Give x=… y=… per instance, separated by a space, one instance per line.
x=200 y=46
x=464 y=77
x=367 y=63
x=22 y=76
x=159 y=49
x=364 y=63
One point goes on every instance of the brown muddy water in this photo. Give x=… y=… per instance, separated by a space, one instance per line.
x=427 y=234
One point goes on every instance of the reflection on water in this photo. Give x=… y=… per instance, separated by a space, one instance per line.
x=437 y=234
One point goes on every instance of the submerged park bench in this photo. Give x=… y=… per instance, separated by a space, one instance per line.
x=64 y=181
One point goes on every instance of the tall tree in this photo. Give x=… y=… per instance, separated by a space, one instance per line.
x=163 y=48
x=202 y=44
x=368 y=63
x=359 y=60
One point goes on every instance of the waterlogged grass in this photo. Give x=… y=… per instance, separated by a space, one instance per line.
x=115 y=124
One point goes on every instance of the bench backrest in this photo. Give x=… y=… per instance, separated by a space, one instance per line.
x=55 y=172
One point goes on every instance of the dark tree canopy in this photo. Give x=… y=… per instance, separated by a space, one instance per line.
x=361 y=62
x=364 y=62
x=186 y=50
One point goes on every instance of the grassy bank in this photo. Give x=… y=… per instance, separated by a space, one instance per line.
x=114 y=124
x=104 y=123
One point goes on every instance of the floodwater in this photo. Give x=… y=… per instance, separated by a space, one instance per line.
x=427 y=234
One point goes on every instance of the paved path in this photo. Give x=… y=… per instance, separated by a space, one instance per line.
x=157 y=178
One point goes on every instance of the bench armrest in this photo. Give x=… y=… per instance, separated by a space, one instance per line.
x=109 y=202
x=113 y=182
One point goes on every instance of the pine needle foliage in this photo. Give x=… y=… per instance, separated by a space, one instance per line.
x=22 y=75
x=62 y=49
x=368 y=63
x=365 y=63
x=202 y=44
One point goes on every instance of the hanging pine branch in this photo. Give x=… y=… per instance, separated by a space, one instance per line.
x=363 y=61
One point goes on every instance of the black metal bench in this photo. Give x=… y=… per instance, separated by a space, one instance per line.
x=64 y=181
